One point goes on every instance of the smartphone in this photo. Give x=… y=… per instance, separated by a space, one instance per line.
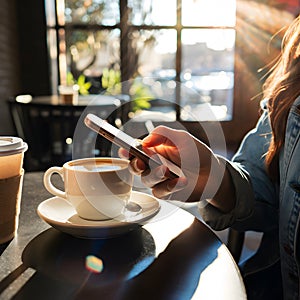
x=132 y=145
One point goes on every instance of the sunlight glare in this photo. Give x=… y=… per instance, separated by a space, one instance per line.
x=166 y=42
x=208 y=13
x=197 y=13
x=164 y=12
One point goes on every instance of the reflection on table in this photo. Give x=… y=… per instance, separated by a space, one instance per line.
x=173 y=256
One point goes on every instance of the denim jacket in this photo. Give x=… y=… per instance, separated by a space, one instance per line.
x=262 y=205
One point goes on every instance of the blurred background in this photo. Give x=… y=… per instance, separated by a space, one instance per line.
x=219 y=52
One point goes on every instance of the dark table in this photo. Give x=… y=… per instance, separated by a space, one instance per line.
x=173 y=257
x=85 y=100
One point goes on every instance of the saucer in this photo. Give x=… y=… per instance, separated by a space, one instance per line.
x=61 y=215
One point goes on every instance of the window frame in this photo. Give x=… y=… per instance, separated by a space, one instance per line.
x=55 y=11
x=244 y=112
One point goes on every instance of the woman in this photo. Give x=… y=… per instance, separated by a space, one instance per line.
x=260 y=187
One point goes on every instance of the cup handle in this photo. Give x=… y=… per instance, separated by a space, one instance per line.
x=48 y=184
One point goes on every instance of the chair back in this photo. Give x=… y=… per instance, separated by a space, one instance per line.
x=49 y=132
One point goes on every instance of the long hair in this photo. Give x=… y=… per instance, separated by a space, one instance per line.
x=282 y=87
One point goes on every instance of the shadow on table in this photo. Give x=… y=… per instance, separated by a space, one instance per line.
x=59 y=260
x=131 y=270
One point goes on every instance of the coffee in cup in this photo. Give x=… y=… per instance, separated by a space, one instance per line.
x=11 y=180
x=98 y=188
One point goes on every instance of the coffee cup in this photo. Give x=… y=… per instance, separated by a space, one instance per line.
x=11 y=180
x=98 y=188
x=68 y=93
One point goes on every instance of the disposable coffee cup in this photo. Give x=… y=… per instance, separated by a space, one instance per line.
x=11 y=181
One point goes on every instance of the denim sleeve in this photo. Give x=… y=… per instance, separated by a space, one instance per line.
x=244 y=201
x=256 y=195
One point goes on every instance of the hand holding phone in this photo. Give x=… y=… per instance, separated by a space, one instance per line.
x=132 y=145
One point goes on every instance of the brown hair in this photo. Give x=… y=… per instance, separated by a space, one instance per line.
x=282 y=88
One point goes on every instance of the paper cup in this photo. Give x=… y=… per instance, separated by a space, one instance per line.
x=11 y=156
x=10 y=202
x=11 y=180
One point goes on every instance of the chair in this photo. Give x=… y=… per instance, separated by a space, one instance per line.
x=49 y=131
x=235 y=242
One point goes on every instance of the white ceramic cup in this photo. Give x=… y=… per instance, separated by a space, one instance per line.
x=98 y=188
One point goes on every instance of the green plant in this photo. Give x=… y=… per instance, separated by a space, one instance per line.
x=83 y=85
x=140 y=94
x=111 y=80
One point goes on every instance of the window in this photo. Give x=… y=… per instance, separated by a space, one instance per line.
x=180 y=53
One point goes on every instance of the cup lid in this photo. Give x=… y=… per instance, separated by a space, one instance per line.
x=10 y=145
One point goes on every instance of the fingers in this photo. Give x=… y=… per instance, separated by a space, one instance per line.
x=151 y=177
x=137 y=166
x=159 y=180
x=168 y=187
x=159 y=136
x=123 y=153
x=164 y=141
x=163 y=135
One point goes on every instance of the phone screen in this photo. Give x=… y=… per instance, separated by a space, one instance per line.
x=129 y=143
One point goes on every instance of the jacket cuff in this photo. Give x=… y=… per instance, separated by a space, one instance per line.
x=244 y=200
